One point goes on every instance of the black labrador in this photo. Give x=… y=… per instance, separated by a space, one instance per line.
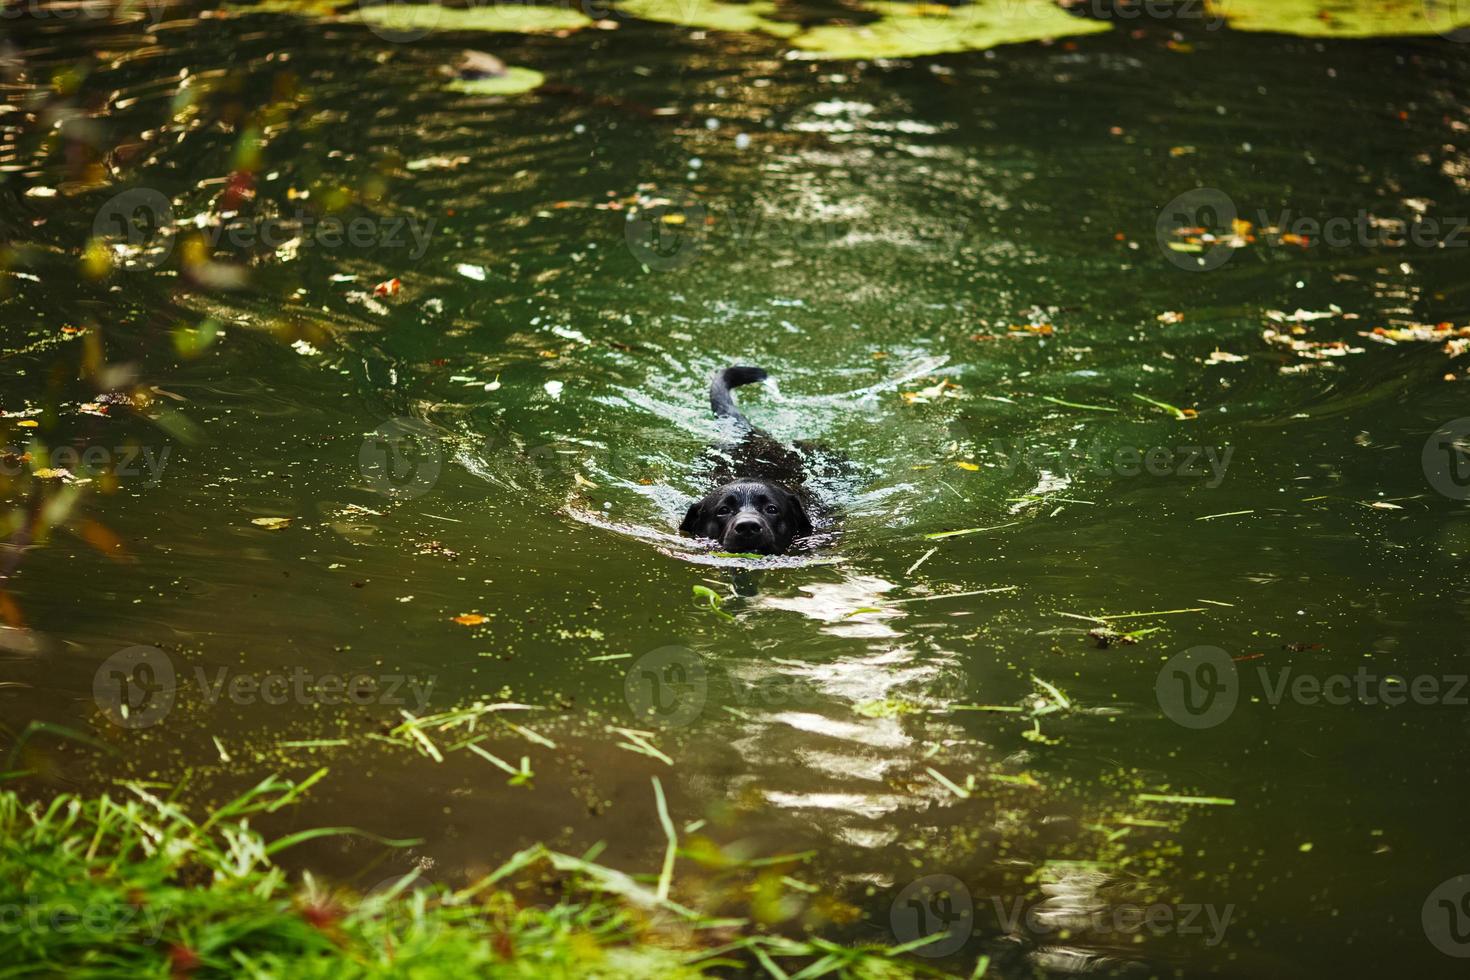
x=759 y=507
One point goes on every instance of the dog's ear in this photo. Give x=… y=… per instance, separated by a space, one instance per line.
x=800 y=522
x=693 y=519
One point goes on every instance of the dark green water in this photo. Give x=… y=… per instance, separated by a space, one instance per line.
x=880 y=228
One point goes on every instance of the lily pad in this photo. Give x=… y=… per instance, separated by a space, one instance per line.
x=301 y=8
x=907 y=30
x=509 y=18
x=412 y=20
x=713 y=15
x=1343 y=18
x=513 y=82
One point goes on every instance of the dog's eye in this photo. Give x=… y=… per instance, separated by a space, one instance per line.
x=722 y=512
x=772 y=509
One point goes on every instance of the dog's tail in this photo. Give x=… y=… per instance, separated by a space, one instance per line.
x=732 y=377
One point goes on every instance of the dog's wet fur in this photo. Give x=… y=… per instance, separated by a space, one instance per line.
x=760 y=506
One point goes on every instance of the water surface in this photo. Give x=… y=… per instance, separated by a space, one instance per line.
x=957 y=270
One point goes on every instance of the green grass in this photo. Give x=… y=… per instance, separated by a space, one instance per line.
x=133 y=886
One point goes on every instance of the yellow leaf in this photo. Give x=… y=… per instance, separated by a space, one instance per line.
x=271 y=523
x=471 y=619
x=966 y=466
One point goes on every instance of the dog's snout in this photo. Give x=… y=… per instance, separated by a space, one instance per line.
x=747 y=525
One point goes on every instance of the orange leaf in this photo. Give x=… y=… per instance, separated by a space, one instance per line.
x=10 y=612
x=102 y=538
x=471 y=619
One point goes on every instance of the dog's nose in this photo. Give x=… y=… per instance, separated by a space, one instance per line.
x=747 y=527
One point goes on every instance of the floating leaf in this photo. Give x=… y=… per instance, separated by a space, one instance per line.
x=1178 y=413
x=271 y=523
x=509 y=18
x=944 y=389
x=753 y=17
x=712 y=601
x=941 y=535
x=906 y=30
x=1186 y=800
x=513 y=82
x=1416 y=333
x=1067 y=404
x=1319 y=18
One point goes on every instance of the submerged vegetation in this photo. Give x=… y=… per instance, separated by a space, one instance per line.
x=148 y=878
x=132 y=885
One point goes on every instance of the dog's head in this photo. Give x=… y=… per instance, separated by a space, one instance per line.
x=757 y=516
